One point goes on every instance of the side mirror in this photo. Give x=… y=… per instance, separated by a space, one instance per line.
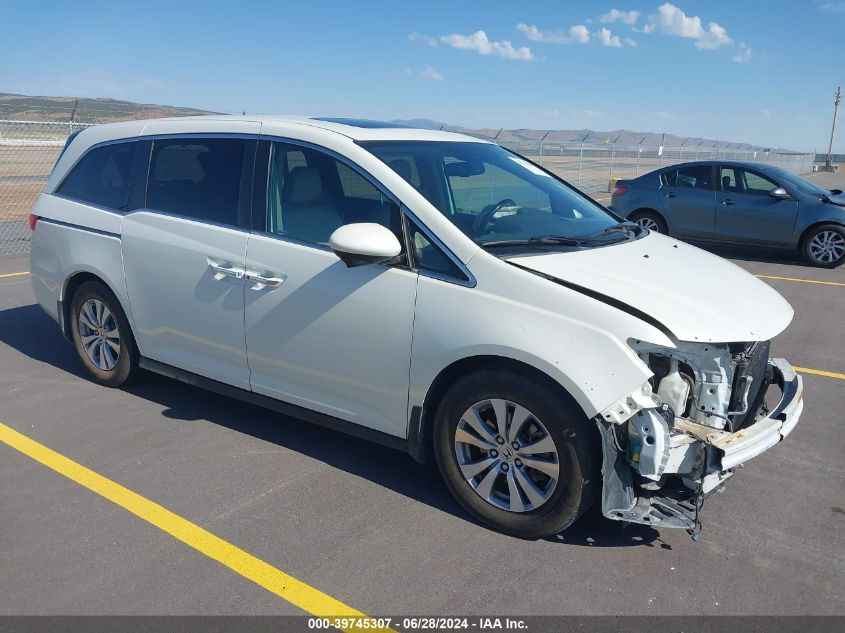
x=364 y=243
x=779 y=193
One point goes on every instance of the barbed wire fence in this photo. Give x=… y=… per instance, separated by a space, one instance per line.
x=29 y=149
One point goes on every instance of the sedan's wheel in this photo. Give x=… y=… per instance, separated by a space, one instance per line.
x=102 y=335
x=649 y=220
x=516 y=452
x=506 y=455
x=825 y=246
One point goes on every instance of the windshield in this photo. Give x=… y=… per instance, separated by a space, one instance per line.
x=804 y=186
x=493 y=195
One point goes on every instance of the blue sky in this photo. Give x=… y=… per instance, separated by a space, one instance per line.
x=752 y=71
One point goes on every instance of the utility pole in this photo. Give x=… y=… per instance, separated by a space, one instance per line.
x=837 y=99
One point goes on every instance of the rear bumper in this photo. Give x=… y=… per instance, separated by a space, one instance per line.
x=737 y=448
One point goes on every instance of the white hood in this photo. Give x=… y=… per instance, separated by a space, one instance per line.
x=697 y=295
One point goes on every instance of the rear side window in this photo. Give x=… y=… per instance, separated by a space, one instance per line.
x=695 y=177
x=669 y=178
x=199 y=178
x=102 y=176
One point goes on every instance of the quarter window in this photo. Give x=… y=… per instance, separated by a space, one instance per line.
x=430 y=257
x=102 y=176
x=199 y=178
x=310 y=194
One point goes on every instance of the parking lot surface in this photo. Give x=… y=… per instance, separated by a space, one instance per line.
x=368 y=526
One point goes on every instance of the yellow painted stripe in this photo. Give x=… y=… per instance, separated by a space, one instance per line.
x=26 y=272
x=819 y=372
x=804 y=281
x=263 y=574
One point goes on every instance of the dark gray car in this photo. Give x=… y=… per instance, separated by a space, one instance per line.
x=736 y=202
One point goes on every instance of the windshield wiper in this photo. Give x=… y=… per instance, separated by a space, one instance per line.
x=542 y=240
x=626 y=227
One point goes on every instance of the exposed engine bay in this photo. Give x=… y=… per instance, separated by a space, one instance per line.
x=680 y=436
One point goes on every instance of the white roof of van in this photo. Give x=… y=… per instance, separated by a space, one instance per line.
x=356 y=129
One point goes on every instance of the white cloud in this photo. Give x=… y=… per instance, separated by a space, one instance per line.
x=480 y=43
x=664 y=116
x=578 y=33
x=670 y=20
x=766 y=112
x=425 y=39
x=743 y=54
x=615 y=15
x=430 y=73
x=833 y=7
x=426 y=72
x=630 y=42
x=606 y=38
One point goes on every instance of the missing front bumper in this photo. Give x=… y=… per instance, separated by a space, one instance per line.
x=721 y=452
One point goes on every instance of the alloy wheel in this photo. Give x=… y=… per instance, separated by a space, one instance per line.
x=98 y=334
x=827 y=247
x=648 y=223
x=507 y=455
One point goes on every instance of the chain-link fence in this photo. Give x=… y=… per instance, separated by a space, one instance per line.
x=29 y=149
x=592 y=168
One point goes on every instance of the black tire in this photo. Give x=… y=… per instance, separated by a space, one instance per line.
x=576 y=442
x=652 y=216
x=806 y=248
x=126 y=369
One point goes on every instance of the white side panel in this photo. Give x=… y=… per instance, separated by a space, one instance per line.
x=185 y=315
x=512 y=313
x=330 y=338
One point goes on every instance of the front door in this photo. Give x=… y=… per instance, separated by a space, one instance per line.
x=184 y=252
x=689 y=201
x=745 y=212
x=320 y=335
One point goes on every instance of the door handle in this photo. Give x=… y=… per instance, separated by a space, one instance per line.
x=670 y=194
x=728 y=202
x=221 y=270
x=261 y=281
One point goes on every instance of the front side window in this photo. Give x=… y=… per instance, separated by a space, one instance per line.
x=199 y=178
x=738 y=180
x=756 y=184
x=493 y=195
x=102 y=176
x=310 y=194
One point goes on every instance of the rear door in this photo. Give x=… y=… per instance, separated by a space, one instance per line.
x=689 y=201
x=184 y=252
x=745 y=212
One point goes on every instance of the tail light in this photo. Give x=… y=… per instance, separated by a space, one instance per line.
x=33 y=220
x=621 y=190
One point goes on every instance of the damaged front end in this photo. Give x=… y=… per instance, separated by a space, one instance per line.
x=707 y=409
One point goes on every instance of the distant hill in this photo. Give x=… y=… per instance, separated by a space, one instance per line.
x=592 y=137
x=83 y=110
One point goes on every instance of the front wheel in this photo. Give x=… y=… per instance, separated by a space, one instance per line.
x=102 y=336
x=825 y=246
x=517 y=454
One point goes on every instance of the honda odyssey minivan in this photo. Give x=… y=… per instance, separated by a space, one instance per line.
x=423 y=289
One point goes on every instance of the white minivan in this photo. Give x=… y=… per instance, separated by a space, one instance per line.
x=423 y=289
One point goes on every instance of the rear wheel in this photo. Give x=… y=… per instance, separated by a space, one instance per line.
x=102 y=336
x=650 y=220
x=825 y=246
x=516 y=454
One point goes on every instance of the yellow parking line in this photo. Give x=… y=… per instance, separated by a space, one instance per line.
x=820 y=372
x=263 y=574
x=26 y=272
x=805 y=281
